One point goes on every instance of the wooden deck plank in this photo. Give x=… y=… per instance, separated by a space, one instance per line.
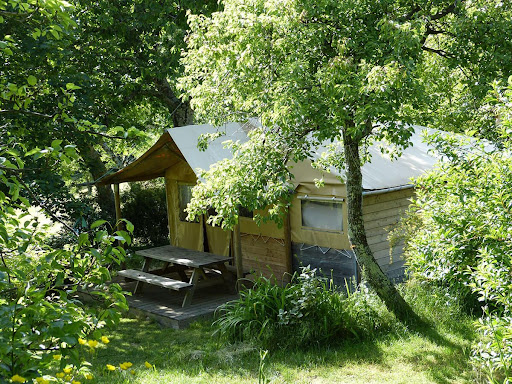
x=164 y=306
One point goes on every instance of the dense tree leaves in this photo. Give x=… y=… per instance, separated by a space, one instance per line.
x=347 y=70
x=130 y=54
x=461 y=232
x=99 y=76
x=41 y=315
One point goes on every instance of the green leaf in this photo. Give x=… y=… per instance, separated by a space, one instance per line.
x=31 y=80
x=129 y=225
x=55 y=34
x=33 y=151
x=83 y=239
x=71 y=86
x=56 y=144
x=97 y=223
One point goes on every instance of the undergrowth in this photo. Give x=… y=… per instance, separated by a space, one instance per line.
x=310 y=310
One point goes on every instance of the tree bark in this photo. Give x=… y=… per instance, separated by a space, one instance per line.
x=181 y=112
x=183 y=115
x=357 y=236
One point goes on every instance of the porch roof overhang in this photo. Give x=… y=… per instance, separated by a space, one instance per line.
x=152 y=164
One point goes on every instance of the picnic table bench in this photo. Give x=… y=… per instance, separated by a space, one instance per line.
x=181 y=260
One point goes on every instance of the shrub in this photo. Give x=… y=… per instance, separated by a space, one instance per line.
x=41 y=315
x=493 y=352
x=144 y=205
x=463 y=236
x=306 y=312
x=464 y=211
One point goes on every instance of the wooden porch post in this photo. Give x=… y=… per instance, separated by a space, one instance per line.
x=117 y=200
x=288 y=245
x=237 y=247
x=119 y=224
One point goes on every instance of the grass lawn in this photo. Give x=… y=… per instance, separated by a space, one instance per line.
x=194 y=356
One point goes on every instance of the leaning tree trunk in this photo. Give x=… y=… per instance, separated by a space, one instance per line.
x=180 y=111
x=357 y=236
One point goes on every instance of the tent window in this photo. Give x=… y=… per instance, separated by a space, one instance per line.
x=324 y=215
x=184 y=196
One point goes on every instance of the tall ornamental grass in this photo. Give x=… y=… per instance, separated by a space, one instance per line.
x=307 y=311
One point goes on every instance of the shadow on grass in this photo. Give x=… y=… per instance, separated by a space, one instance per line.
x=194 y=352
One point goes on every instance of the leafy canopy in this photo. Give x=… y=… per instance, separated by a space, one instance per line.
x=41 y=315
x=462 y=234
x=314 y=70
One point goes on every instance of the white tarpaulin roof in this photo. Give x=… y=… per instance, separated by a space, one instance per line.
x=186 y=140
x=380 y=173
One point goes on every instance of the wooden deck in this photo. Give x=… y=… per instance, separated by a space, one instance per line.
x=165 y=306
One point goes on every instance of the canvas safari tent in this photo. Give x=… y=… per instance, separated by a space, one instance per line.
x=315 y=231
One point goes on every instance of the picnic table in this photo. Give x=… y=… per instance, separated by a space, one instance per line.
x=205 y=269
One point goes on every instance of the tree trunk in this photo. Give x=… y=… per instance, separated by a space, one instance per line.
x=105 y=196
x=183 y=115
x=357 y=235
x=180 y=110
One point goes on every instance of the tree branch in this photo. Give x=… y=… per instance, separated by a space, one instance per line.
x=41 y=203
x=23 y=111
x=105 y=135
x=410 y=15
x=439 y=52
x=7 y=270
x=33 y=113
x=445 y=12
x=12 y=170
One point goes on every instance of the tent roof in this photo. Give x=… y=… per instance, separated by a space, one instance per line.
x=180 y=144
x=152 y=164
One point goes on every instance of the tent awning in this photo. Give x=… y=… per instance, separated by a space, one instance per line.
x=152 y=164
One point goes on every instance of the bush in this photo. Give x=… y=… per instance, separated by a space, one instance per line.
x=41 y=316
x=493 y=352
x=306 y=312
x=144 y=205
x=462 y=239
x=464 y=207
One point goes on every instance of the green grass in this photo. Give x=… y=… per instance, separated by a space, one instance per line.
x=438 y=355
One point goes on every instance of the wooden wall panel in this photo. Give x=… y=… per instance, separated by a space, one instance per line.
x=265 y=255
x=381 y=214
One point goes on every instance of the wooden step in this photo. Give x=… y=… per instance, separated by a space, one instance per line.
x=161 y=281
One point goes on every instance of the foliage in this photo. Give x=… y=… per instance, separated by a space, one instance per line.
x=95 y=75
x=144 y=205
x=294 y=66
x=263 y=185
x=493 y=353
x=462 y=240
x=308 y=311
x=350 y=71
x=464 y=207
x=42 y=316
